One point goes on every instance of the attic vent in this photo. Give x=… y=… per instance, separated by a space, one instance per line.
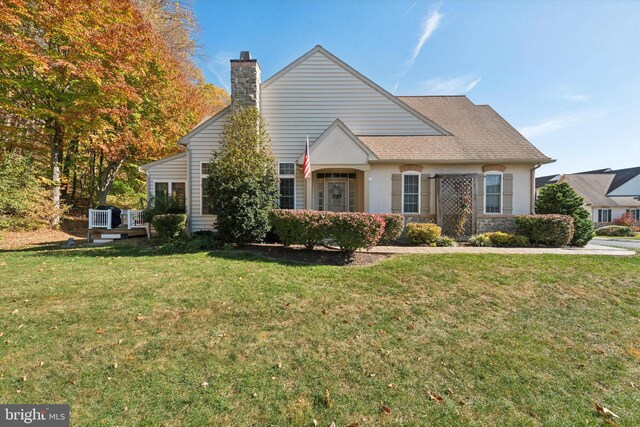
x=245 y=55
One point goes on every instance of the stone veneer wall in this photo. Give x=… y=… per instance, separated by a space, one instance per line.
x=418 y=218
x=502 y=223
x=245 y=83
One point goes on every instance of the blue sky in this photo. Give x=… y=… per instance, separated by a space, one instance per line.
x=566 y=74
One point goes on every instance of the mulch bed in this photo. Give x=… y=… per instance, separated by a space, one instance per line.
x=318 y=256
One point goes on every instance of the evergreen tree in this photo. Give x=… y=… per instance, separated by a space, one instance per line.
x=562 y=199
x=243 y=184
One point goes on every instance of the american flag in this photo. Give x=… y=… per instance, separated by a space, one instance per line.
x=306 y=162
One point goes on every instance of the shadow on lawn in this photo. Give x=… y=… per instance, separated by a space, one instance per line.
x=137 y=248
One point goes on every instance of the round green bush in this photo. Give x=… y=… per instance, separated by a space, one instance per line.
x=562 y=199
x=547 y=230
x=169 y=226
x=423 y=233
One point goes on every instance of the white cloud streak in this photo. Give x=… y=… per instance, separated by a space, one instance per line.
x=560 y=122
x=452 y=86
x=219 y=66
x=429 y=26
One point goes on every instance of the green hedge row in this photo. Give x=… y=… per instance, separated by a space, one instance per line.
x=349 y=231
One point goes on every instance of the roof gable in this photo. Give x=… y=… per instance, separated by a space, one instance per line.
x=431 y=128
x=146 y=166
x=203 y=125
x=339 y=138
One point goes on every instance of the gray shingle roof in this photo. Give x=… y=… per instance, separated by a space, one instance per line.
x=478 y=134
x=594 y=188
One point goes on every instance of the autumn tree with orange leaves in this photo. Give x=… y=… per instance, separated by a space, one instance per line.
x=95 y=86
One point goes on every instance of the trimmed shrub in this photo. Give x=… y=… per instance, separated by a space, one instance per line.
x=614 y=230
x=500 y=240
x=547 y=230
x=393 y=225
x=169 y=226
x=480 y=240
x=304 y=227
x=445 y=241
x=423 y=233
x=162 y=205
x=352 y=231
x=562 y=199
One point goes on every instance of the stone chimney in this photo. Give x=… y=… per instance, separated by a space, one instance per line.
x=245 y=81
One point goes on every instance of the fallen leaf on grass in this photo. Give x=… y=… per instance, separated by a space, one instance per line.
x=100 y=331
x=354 y=424
x=385 y=409
x=327 y=399
x=315 y=422
x=605 y=411
x=333 y=424
x=279 y=365
x=611 y=423
x=411 y=326
x=462 y=402
x=435 y=397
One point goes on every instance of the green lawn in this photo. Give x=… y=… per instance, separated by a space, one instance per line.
x=131 y=337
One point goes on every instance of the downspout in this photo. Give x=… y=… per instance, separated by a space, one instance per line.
x=533 y=187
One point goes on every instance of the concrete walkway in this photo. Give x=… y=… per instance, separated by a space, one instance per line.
x=619 y=243
x=587 y=250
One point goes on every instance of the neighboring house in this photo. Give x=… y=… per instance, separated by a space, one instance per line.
x=607 y=193
x=371 y=151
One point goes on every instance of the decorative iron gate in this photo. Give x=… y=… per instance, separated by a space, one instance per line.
x=456 y=204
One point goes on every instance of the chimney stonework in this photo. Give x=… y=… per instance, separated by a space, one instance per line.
x=245 y=82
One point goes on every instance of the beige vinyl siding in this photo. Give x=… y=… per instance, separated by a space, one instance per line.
x=308 y=98
x=201 y=145
x=171 y=170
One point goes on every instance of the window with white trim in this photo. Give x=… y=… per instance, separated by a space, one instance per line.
x=635 y=214
x=205 y=206
x=174 y=188
x=493 y=193
x=604 y=215
x=410 y=192
x=287 y=187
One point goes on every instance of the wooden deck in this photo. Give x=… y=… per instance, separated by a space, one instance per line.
x=94 y=234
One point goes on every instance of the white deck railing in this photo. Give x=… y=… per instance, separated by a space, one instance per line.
x=101 y=218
